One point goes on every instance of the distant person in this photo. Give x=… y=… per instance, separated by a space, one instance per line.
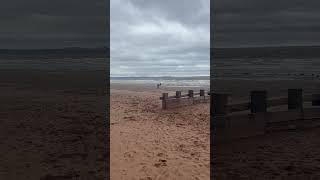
x=158 y=86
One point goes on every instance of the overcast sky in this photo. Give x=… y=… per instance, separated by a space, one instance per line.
x=265 y=22
x=53 y=23
x=160 y=37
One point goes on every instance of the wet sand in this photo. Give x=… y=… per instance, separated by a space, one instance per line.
x=150 y=143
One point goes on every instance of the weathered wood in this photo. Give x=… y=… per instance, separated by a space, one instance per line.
x=178 y=94
x=249 y=125
x=316 y=100
x=277 y=101
x=173 y=97
x=294 y=94
x=201 y=92
x=220 y=110
x=234 y=126
x=220 y=104
x=258 y=101
x=238 y=107
x=295 y=100
x=164 y=100
x=235 y=107
x=180 y=100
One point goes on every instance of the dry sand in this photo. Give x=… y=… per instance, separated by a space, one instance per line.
x=148 y=143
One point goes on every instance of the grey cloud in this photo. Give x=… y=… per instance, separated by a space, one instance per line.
x=265 y=22
x=53 y=24
x=160 y=38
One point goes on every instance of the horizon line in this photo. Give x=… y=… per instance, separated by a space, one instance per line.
x=267 y=46
x=158 y=76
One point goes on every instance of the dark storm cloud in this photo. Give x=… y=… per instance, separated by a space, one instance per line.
x=53 y=24
x=160 y=38
x=265 y=22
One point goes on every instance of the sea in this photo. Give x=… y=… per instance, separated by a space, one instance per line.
x=168 y=82
x=67 y=59
x=267 y=63
x=267 y=68
x=253 y=63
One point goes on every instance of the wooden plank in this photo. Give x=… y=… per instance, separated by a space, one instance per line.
x=173 y=97
x=202 y=92
x=173 y=103
x=316 y=99
x=179 y=102
x=178 y=94
x=277 y=101
x=258 y=101
x=235 y=107
x=198 y=99
x=250 y=125
x=164 y=98
x=295 y=99
x=220 y=104
x=238 y=107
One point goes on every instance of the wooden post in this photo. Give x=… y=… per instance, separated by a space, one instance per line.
x=202 y=96
x=178 y=94
x=219 y=109
x=190 y=94
x=201 y=92
x=295 y=100
x=164 y=100
x=316 y=100
x=220 y=102
x=258 y=101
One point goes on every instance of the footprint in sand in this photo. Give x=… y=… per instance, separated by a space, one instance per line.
x=161 y=163
x=195 y=155
x=128 y=155
x=146 y=178
x=130 y=118
x=161 y=155
x=183 y=148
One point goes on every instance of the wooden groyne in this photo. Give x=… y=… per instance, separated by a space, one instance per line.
x=238 y=120
x=179 y=99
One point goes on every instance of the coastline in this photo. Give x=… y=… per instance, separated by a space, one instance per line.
x=150 y=143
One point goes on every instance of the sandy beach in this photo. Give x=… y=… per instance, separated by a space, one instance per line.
x=149 y=143
x=290 y=154
x=52 y=125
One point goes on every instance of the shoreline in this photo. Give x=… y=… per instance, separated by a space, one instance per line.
x=150 y=143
